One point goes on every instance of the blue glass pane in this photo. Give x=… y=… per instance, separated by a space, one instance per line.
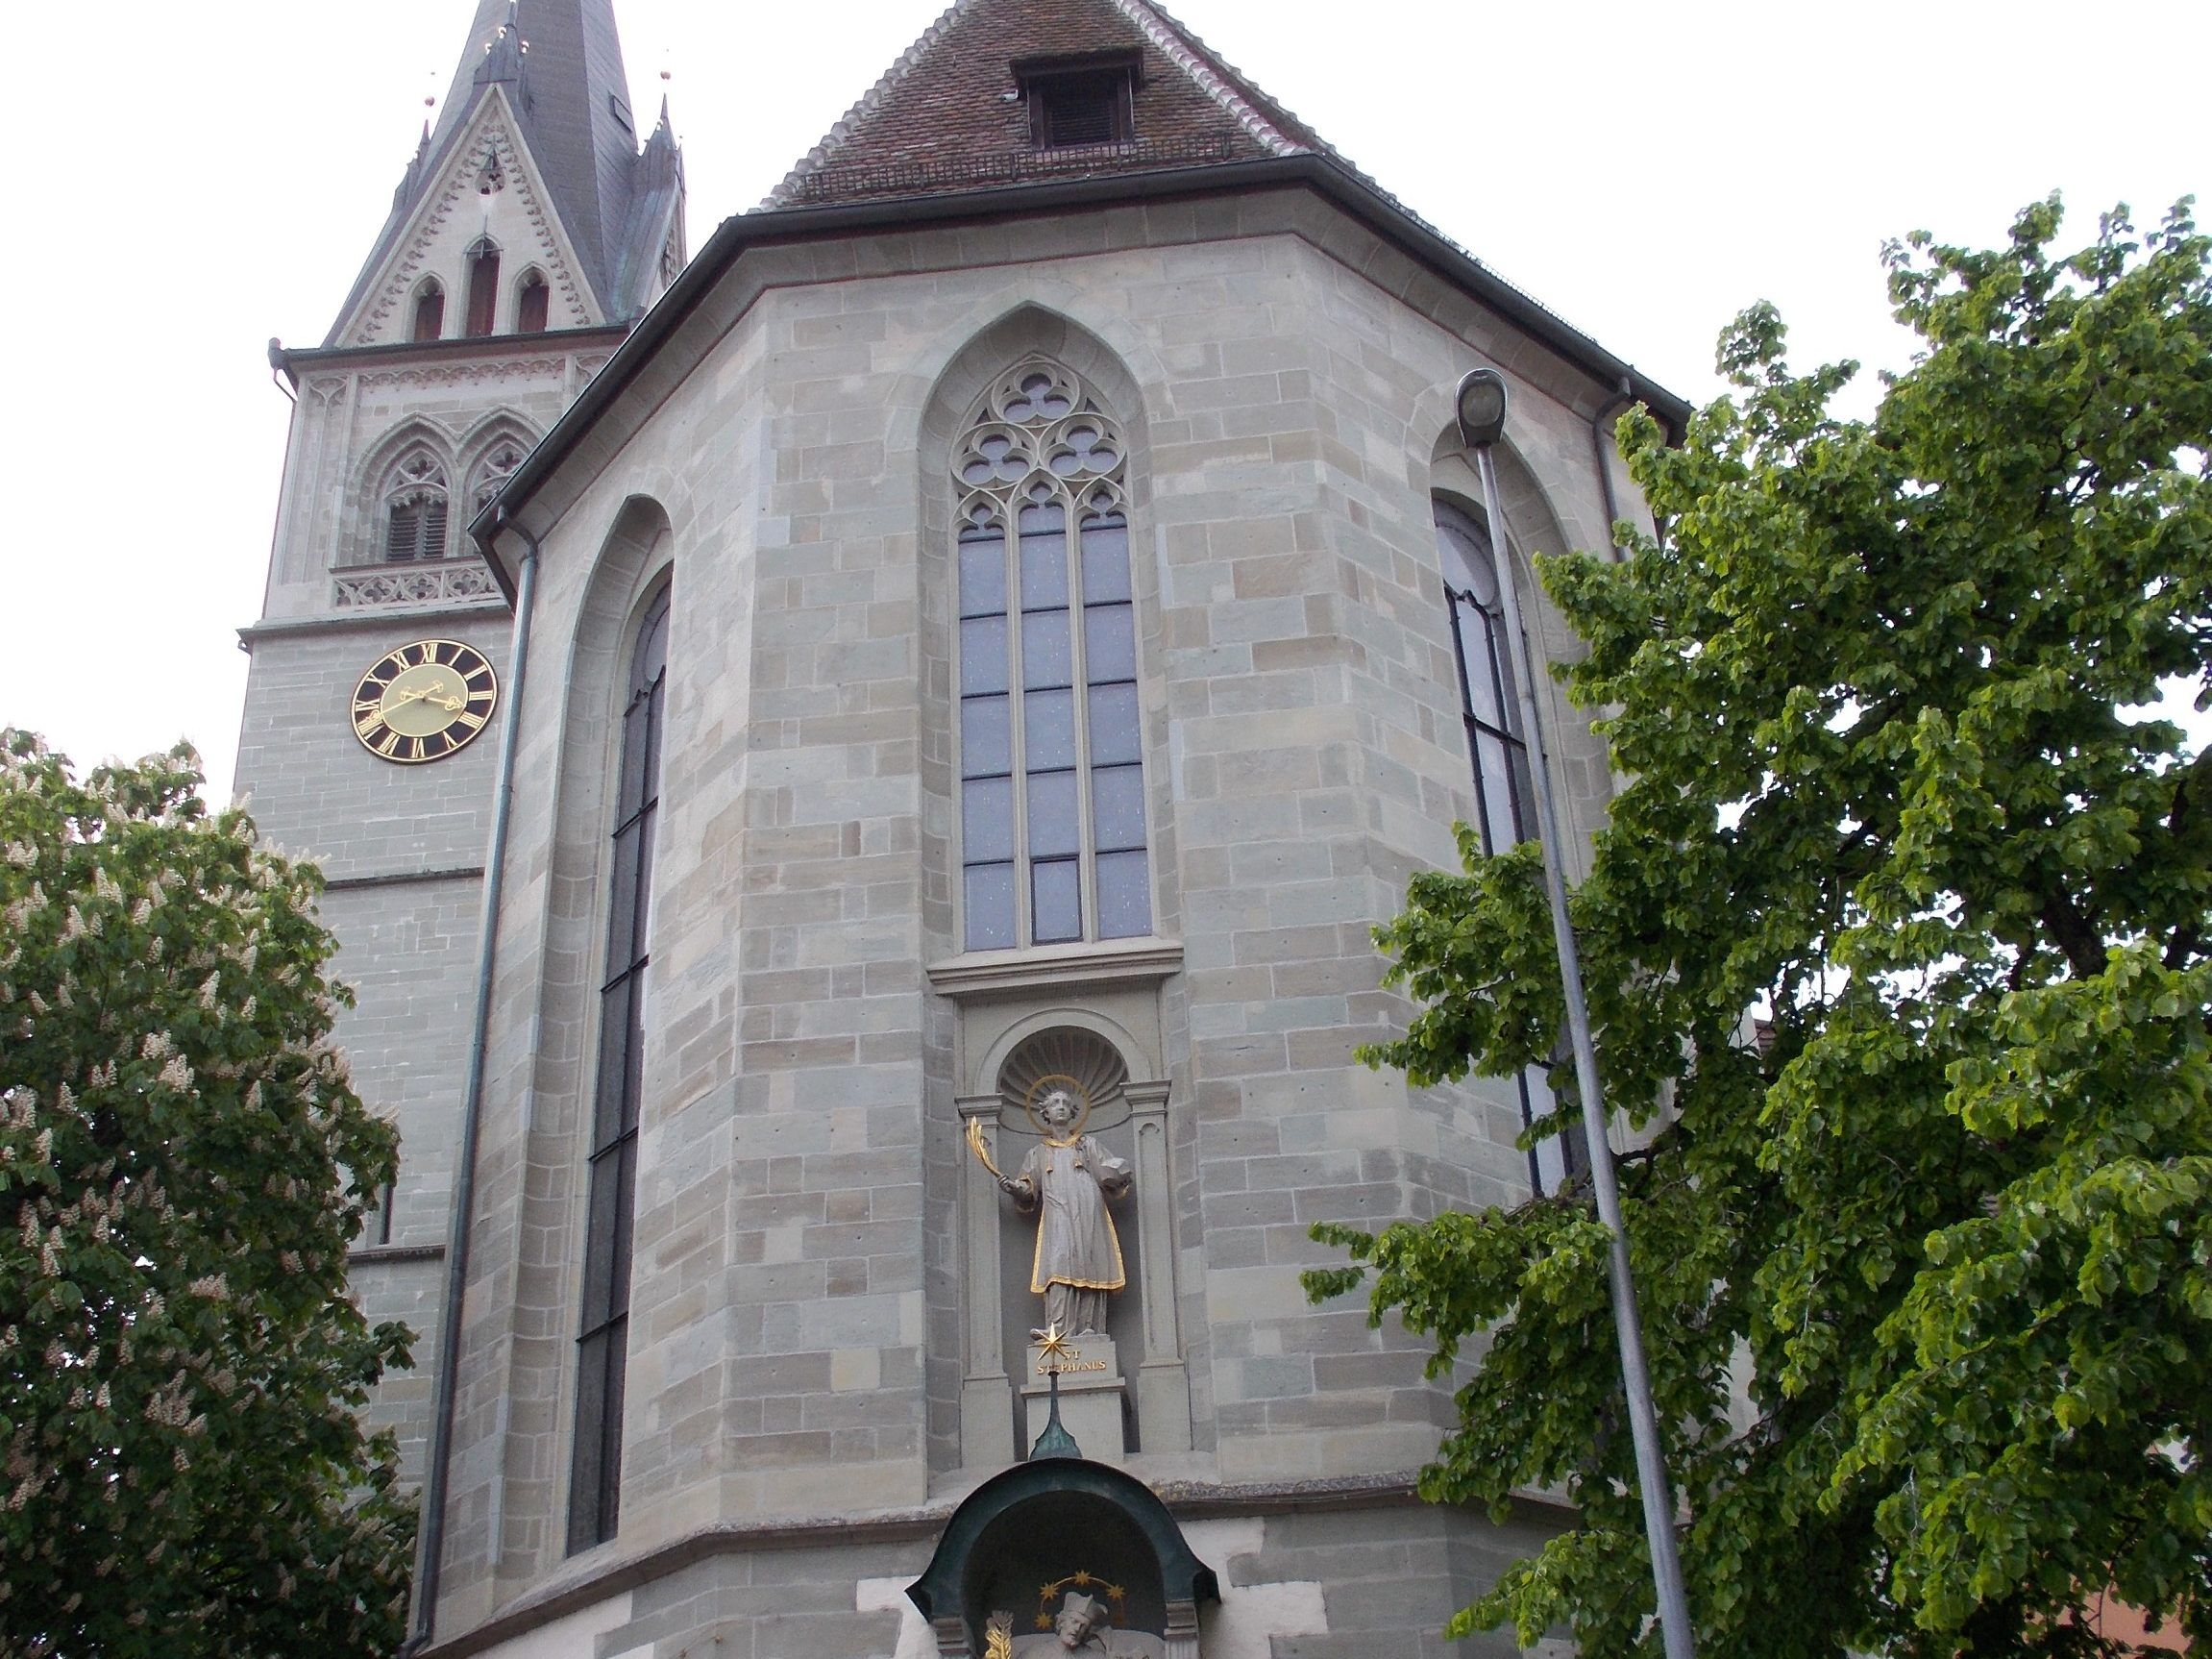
x=1055 y=902
x=1105 y=561
x=982 y=574
x=985 y=819
x=1118 y=806
x=1124 y=896
x=1048 y=729
x=1046 y=656
x=1109 y=646
x=986 y=732
x=982 y=655
x=1114 y=734
x=987 y=906
x=1052 y=818
x=1044 y=571
x=1049 y=519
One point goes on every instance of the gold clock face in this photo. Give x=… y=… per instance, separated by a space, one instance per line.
x=423 y=700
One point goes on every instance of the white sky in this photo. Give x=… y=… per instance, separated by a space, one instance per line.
x=190 y=180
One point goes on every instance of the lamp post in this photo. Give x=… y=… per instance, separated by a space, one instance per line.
x=1481 y=405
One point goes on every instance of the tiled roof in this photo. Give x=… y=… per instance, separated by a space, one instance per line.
x=949 y=115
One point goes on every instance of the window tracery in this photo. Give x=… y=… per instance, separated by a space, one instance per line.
x=1054 y=845
x=415 y=507
x=493 y=470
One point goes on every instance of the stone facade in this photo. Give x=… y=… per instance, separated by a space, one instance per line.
x=828 y=1300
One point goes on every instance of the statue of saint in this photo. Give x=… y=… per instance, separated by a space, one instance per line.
x=1084 y=1624
x=1066 y=1179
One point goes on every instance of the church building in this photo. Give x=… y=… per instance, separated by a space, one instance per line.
x=857 y=770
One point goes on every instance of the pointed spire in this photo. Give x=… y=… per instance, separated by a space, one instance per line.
x=505 y=57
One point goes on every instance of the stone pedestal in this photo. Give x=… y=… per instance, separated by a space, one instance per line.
x=1091 y=1391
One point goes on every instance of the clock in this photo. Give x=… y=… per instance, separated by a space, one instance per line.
x=423 y=700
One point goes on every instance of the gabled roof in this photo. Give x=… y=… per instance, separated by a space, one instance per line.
x=950 y=115
x=572 y=103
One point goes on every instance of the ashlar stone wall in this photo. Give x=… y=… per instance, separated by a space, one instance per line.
x=796 y=1339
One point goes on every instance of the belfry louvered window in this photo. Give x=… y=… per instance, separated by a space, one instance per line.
x=1051 y=766
x=415 y=508
x=595 y=1470
x=1499 y=753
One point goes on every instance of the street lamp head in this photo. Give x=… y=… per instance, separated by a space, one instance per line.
x=1480 y=403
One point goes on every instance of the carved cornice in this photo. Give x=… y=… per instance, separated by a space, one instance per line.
x=465 y=374
x=437 y=583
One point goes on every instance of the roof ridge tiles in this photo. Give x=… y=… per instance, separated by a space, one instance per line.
x=1213 y=76
x=839 y=130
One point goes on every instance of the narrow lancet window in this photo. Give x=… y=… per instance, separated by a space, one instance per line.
x=532 y=299
x=1498 y=750
x=429 y=312
x=483 y=287
x=1053 y=846
x=594 y=1477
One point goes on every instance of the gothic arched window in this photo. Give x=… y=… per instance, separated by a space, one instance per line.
x=1051 y=768
x=1486 y=694
x=1498 y=749
x=602 y=1341
x=531 y=300
x=493 y=470
x=483 y=266
x=429 y=312
x=415 y=507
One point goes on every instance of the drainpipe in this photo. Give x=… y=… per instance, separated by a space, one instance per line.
x=1601 y=443
x=431 y=1546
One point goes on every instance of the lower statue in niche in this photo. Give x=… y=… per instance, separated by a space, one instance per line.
x=1084 y=1624
x=1067 y=1179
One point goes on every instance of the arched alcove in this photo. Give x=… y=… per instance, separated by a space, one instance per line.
x=1025 y=1537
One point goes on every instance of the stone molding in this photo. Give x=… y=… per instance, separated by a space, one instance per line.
x=986 y=973
x=438 y=582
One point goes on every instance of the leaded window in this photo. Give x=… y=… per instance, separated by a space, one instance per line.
x=415 y=507
x=1052 y=833
x=1498 y=750
x=595 y=1480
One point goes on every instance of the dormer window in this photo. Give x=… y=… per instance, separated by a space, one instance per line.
x=1079 y=102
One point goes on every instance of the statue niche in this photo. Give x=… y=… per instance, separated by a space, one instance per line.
x=1065 y=1181
x=1067 y=1252
x=1063 y=1557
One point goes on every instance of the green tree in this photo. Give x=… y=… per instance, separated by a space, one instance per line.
x=182 y=1164
x=1879 y=693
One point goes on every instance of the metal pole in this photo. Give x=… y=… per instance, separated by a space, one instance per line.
x=1635 y=1377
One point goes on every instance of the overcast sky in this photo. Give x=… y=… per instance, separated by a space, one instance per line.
x=190 y=180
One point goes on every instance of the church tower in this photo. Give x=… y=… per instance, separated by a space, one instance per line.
x=532 y=226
